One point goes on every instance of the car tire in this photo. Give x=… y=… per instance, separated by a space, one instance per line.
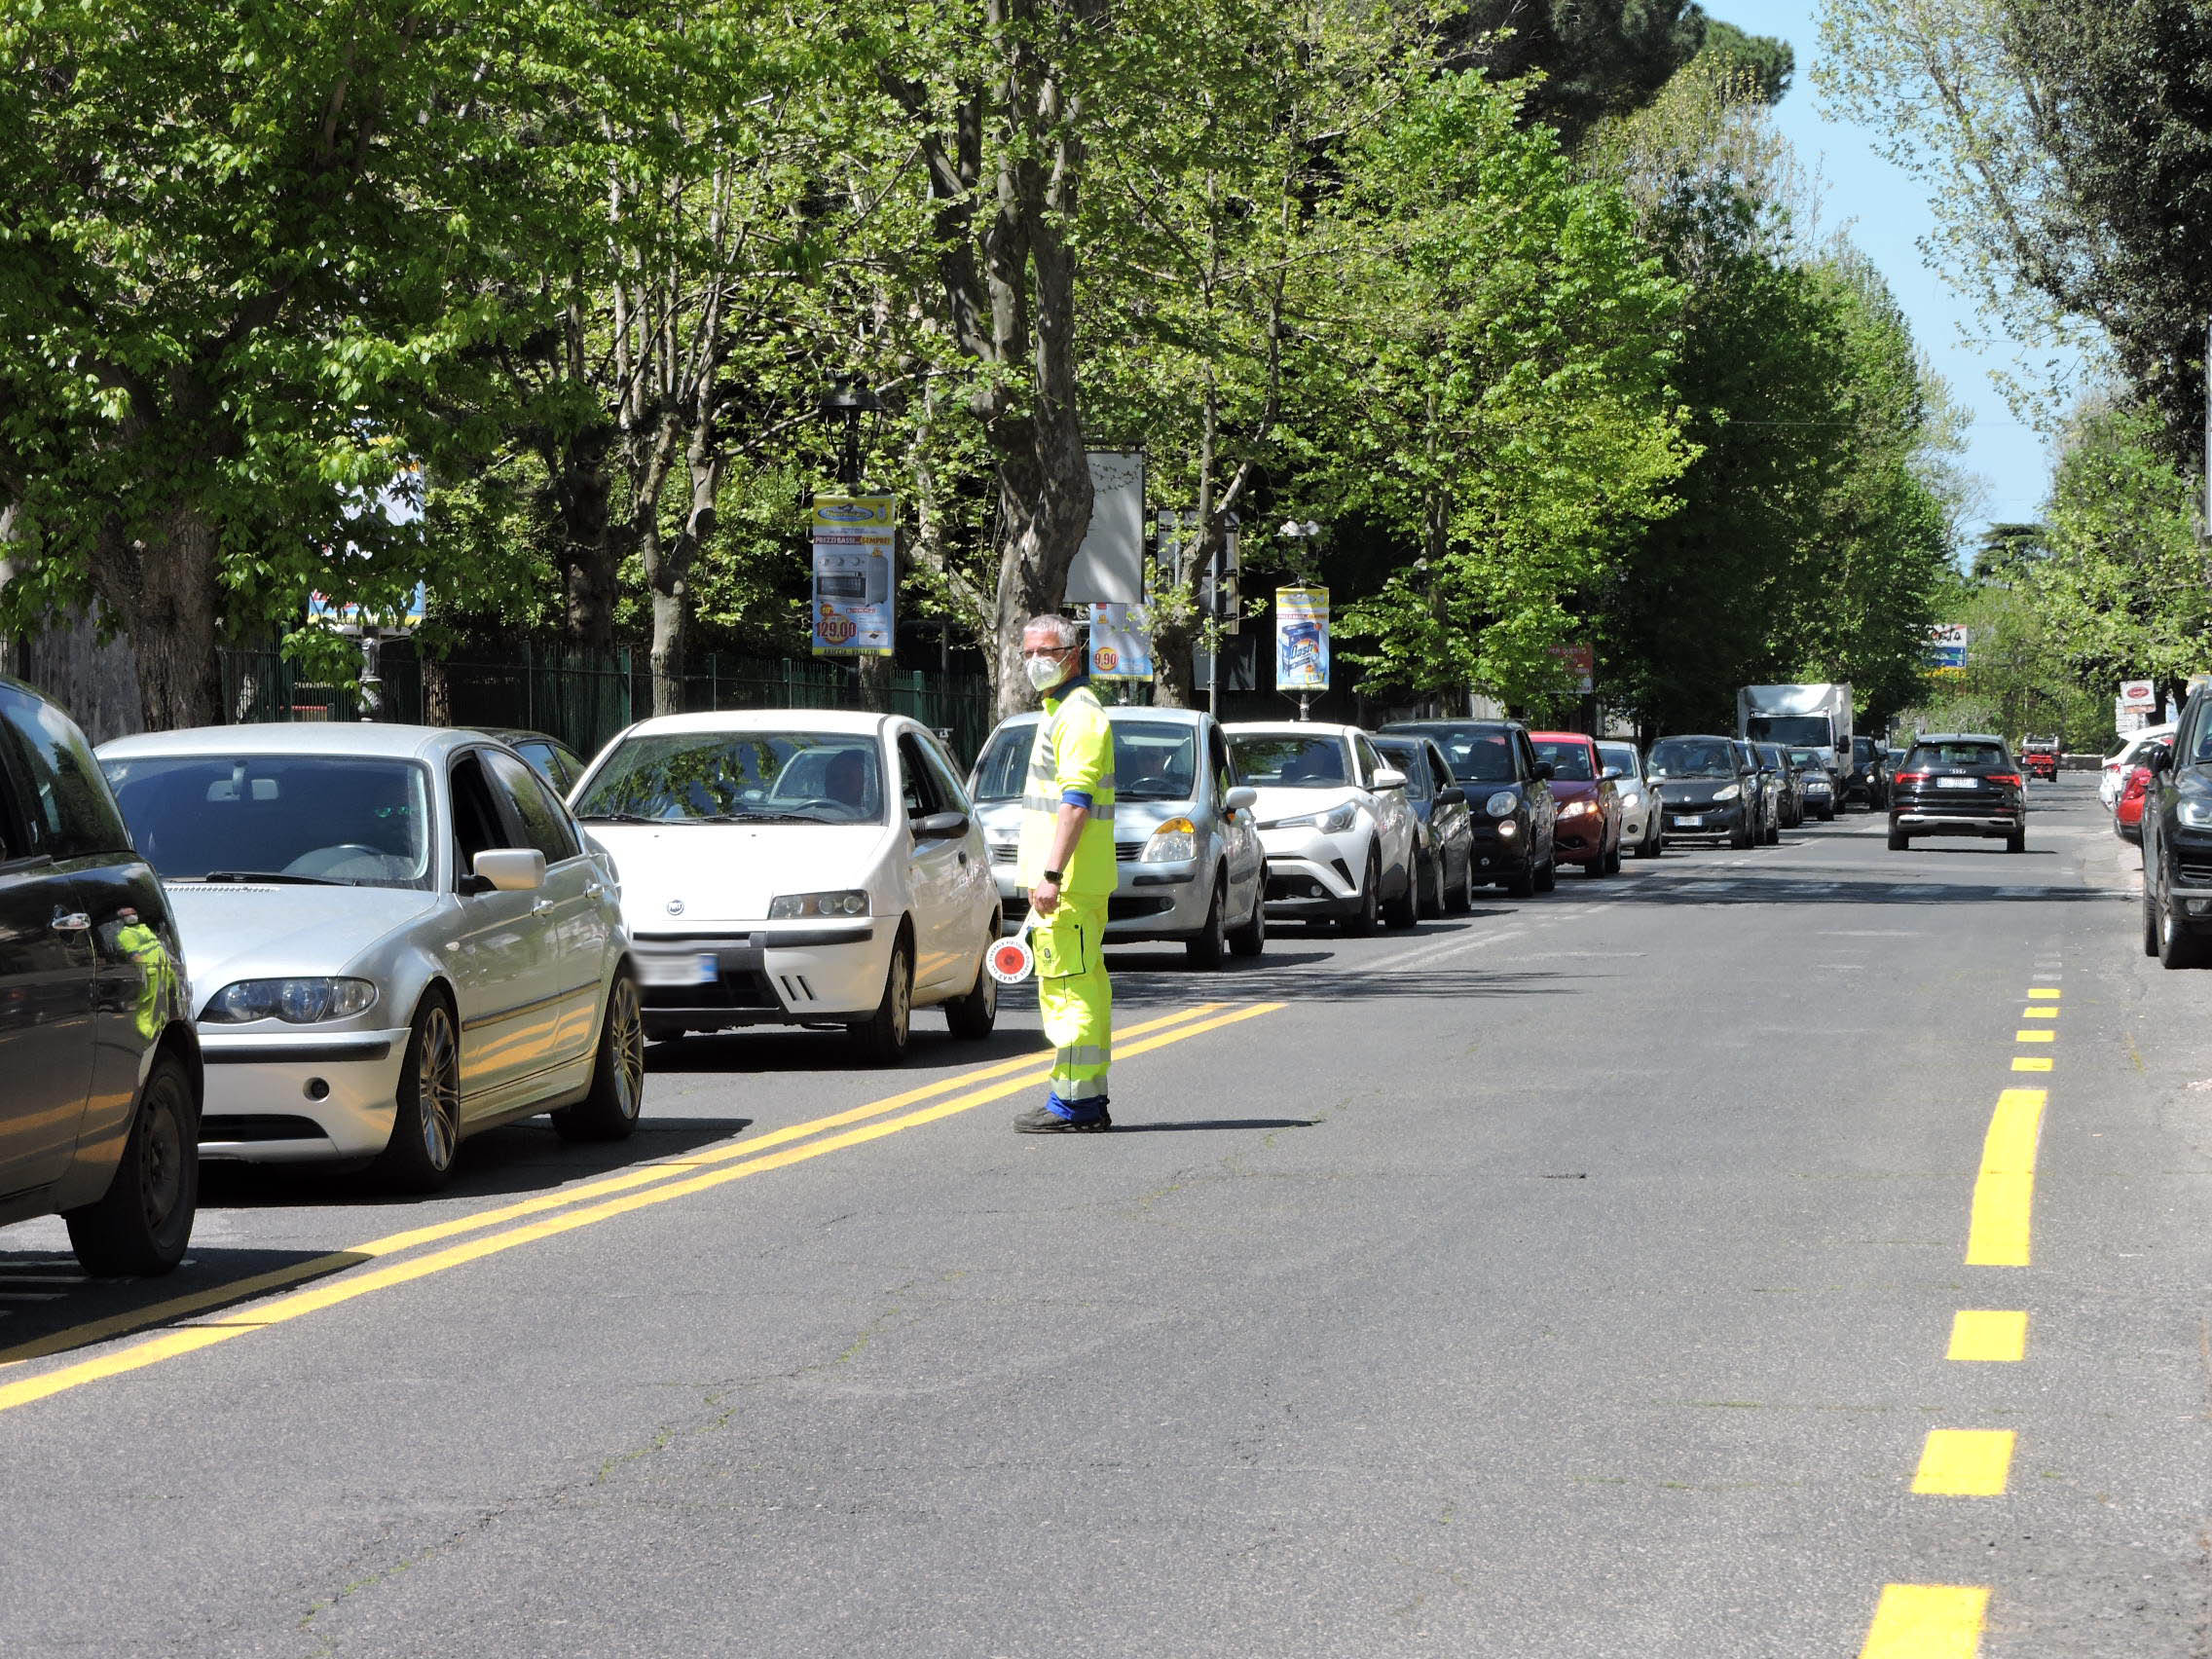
x=2150 y=918
x=425 y=1132
x=1209 y=944
x=1365 y=920
x=1403 y=909
x=972 y=1016
x=1900 y=841
x=1428 y=901
x=140 y=1225
x=1614 y=859
x=609 y=1112
x=882 y=1036
x=1250 y=940
x=2017 y=842
x=1461 y=898
x=1773 y=831
x=2178 y=947
x=1741 y=837
x=1547 y=874
x=1525 y=885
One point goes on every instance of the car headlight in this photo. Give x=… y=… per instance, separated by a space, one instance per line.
x=1501 y=804
x=1578 y=810
x=2195 y=812
x=797 y=906
x=1175 y=842
x=1728 y=793
x=296 y=1002
x=1335 y=821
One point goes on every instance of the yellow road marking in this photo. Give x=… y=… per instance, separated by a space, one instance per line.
x=177 y=1308
x=1927 y=1621
x=2005 y=1192
x=1988 y=1334
x=2031 y=1062
x=2042 y=993
x=1965 y=1463
x=2039 y=1010
x=2034 y=1036
x=299 y=1304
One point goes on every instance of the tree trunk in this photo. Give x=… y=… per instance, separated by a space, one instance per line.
x=437 y=692
x=164 y=594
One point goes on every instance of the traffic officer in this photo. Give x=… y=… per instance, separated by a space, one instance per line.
x=1067 y=864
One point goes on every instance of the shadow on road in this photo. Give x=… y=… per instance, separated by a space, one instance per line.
x=1219 y=1123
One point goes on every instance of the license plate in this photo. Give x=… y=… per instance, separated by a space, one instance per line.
x=1957 y=782
x=1689 y=820
x=693 y=967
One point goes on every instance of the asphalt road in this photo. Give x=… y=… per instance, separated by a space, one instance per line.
x=1575 y=1278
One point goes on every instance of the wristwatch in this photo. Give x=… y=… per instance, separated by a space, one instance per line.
x=1052 y=876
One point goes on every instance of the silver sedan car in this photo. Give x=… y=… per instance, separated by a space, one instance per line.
x=397 y=939
x=1191 y=864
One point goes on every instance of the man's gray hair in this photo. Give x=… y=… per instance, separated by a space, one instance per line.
x=1064 y=631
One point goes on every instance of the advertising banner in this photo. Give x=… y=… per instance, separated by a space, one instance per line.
x=1121 y=641
x=349 y=617
x=1109 y=566
x=856 y=566
x=1582 y=662
x=1946 y=651
x=1301 y=638
x=2140 y=694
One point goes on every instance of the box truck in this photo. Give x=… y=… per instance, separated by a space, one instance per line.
x=1800 y=717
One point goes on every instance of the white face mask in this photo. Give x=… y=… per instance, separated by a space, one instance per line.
x=1043 y=672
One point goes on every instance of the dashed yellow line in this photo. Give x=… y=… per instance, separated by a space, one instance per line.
x=2034 y=1036
x=2004 y=1191
x=2031 y=1062
x=2039 y=1010
x=1927 y=1621
x=2042 y=993
x=1983 y=1334
x=1965 y=1463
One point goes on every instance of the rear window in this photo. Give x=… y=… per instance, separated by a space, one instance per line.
x=1956 y=756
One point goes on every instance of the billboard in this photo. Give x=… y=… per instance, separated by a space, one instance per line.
x=1121 y=641
x=1109 y=565
x=1301 y=638
x=856 y=566
x=1946 y=651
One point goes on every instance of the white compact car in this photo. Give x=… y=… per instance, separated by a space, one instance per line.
x=2124 y=759
x=796 y=867
x=1334 y=821
x=397 y=939
x=1642 y=831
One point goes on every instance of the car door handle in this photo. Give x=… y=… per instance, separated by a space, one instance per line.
x=70 y=922
x=541 y=906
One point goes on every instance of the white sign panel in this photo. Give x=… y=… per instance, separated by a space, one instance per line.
x=2138 y=694
x=1109 y=566
x=856 y=581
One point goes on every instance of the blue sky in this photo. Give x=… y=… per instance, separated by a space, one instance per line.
x=1885 y=210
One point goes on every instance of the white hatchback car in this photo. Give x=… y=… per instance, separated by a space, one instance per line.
x=397 y=938
x=796 y=867
x=2125 y=758
x=1338 y=829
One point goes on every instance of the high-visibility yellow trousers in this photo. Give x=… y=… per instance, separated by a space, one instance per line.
x=1076 y=998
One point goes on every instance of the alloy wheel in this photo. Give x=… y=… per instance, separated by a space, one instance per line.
x=626 y=1031
x=437 y=1088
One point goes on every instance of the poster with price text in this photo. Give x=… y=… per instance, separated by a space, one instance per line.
x=1121 y=641
x=855 y=574
x=1301 y=638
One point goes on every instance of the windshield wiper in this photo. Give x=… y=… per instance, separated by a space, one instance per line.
x=761 y=818
x=281 y=877
x=621 y=818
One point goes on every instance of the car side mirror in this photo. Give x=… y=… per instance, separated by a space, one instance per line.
x=507 y=869
x=1544 y=770
x=2160 y=760
x=939 y=826
x=1242 y=798
x=1389 y=777
x=1612 y=772
x=1450 y=794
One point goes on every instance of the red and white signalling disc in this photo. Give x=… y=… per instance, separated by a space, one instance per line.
x=1010 y=960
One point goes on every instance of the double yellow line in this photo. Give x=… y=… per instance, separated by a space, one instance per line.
x=616 y=1194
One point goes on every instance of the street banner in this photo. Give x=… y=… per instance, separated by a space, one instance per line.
x=856 y=563
x=2140 y=694
x=1582 y=662
x=350 y=617
x=1109 y=565
x=1121 y=641
x=1946 y=650
x=1301 y=638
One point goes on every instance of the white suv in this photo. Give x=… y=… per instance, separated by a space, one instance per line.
x=1335 y=821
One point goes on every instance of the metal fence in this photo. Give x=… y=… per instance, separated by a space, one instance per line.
x=583 y=700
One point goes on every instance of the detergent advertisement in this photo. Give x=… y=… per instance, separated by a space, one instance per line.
x=1301 y=638
x=856 y=566
x=1121 y=641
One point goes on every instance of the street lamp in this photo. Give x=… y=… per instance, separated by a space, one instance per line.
x=1301 y=534
x=849 y=399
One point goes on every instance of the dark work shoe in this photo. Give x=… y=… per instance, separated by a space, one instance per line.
x=1044 y=1121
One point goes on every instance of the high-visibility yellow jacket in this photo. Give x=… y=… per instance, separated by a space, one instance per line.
x=1071 y=761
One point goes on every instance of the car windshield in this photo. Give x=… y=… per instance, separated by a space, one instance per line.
x=1771 y=754
x=1478 y=756
x=1571 y=761
x=1956 y=756
x=1153 y=760
x=767 y=777
x=1288 y=762
x=1789 y=728
x=1693 y=758
x=1807 y=760
x=312 y=818
x=1621 y=755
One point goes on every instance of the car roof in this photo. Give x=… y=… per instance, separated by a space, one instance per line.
x=1959 y=737
x=1701 y=737
x=1432 y=727
x=1291 y=728
x=1560 y=737
x=519 y=735
x=1119 y=712
x=367 y=738
x=843 y=722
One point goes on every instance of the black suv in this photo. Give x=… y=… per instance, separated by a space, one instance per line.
x=2177 y=840
x=99 y=1116
x=1510 y=808
x=1959 y=784
x=1866 y=780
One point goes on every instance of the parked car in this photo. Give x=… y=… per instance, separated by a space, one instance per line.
x=2040 y=756
x=1642 y=833
x=1765 y=795
x=1816 y=784
x=1869 y=778
x=2127 y=811
x=1959 y=784
x=797 y=866
x=397 y=938
x=2177 y=840
x=1589 y=825
x=1789 y=788
x=99 y=1121
x=1511 y=814
x=1188 y=855
x=1333 y=820
x=1440 y=822
x=1707 y=788
x=2127 y=755
x=556 y=762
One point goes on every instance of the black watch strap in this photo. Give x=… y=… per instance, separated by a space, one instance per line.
x=1051 y=876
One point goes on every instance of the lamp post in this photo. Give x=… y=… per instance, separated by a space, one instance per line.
x=848 y=399
x=1301 y=534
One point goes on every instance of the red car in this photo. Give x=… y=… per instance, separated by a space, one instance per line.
x=1588 y=828
x=2039 y=756
x=2127 y=811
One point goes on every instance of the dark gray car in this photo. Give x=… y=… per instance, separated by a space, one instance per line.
x=1444 y=876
